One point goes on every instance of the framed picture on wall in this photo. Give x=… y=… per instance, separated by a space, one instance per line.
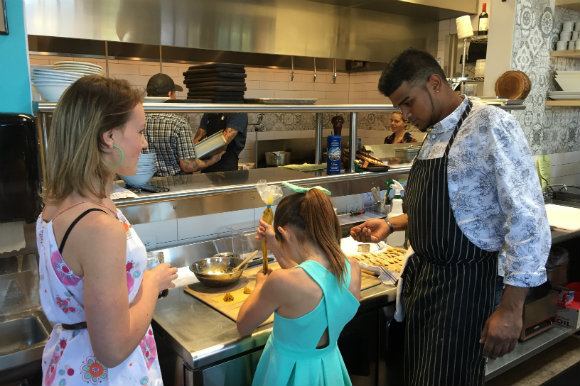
x=3 y=21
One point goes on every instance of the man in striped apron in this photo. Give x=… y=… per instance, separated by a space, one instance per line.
x=472 y=191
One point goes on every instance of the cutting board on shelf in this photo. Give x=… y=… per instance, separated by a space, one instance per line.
x=214 y=297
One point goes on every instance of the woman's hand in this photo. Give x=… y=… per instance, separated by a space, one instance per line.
x=163 y=275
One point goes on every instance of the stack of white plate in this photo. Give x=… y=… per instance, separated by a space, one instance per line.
x=52 y=83
x=568 y=80
x=84 y=68
x=145 y=170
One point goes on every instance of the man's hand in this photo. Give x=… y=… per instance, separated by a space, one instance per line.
x=502 y=329
x=377 y=229
x=214 y=159
x=199 y=135
x=373 y=230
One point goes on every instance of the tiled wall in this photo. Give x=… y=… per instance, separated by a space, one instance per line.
x=554 y=131
x=357 y=88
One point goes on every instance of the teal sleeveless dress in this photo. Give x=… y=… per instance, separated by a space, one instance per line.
x=290 y=356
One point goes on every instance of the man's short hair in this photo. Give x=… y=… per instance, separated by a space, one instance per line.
x=413 y=66
x=161 y=84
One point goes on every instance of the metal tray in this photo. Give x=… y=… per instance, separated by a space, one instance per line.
x=211 y=145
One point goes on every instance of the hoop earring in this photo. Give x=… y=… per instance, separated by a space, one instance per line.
x=122 y=157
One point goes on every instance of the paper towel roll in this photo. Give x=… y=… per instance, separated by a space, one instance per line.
x=464 y=28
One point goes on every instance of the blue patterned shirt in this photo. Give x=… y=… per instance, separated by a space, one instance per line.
x=494 y=190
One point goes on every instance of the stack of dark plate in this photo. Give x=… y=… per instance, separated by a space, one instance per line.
x=218 y=82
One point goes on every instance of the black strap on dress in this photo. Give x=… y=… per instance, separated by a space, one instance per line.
x=79 y=325
x=71 y=226
x=448 y=286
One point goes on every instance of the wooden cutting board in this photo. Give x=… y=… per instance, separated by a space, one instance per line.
x=214 y=297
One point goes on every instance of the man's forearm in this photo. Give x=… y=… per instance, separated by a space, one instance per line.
x=230 y=134
x=191 y=165
x=513 y=298
x=399 y=222
x=199 y=135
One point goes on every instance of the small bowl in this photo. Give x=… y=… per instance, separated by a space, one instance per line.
x=51 y=92
x=217 y=271
x=139 y=179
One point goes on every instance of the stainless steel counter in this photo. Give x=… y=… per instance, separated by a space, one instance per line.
x=200 y=335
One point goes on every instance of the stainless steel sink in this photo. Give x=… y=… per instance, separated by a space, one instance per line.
x=566 y=196
x=23 y=338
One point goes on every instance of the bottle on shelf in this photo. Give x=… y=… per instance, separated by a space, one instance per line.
x=483 y=24
x=396 y=239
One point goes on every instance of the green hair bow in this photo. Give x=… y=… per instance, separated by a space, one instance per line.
x=301 y=189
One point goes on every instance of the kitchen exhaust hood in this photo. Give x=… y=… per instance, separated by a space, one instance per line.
x=360 y=30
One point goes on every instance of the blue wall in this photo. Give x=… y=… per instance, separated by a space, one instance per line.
x=15 y=94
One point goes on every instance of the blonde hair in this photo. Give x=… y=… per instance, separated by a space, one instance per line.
x=87 y=109
x=312 y=217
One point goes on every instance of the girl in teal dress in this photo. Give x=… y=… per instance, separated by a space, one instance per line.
x=313 y=296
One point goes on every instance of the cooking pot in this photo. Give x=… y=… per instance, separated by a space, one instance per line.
x=218 y=271
x=277 y=158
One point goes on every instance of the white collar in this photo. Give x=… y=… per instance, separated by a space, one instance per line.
x=450 y=121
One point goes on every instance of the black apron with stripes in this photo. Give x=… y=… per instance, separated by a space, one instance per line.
x=448 y=285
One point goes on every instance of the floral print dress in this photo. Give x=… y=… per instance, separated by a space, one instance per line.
x=68 y=358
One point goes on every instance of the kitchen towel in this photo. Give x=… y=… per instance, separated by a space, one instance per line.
x=184 y=277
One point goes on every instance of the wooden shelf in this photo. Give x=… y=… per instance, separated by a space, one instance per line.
x=563 y=103
x=565 y=54
x=570 y=4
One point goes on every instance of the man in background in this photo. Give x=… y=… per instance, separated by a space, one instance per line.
x=234 y=128
x=169 y=135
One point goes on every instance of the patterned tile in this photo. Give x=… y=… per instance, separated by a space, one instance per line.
x=536 y=30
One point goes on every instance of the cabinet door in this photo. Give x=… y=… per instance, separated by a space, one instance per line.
x=238 y=371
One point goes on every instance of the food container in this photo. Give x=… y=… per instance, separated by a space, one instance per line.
x=407 y=154
x=277 y=158
x=210 y=146
x=218 y=271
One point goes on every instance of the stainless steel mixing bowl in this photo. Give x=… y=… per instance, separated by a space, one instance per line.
x=218 y=271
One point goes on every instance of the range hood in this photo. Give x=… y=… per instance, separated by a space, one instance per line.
x=347 y=30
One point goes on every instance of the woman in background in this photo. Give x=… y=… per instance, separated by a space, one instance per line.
x=399 y=129
x=313 y=296
x=94 y=286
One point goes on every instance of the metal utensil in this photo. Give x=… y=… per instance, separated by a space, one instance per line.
x=250 y=256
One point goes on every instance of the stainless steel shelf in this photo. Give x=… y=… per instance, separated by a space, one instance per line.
x=233 y=108
x=527 y=349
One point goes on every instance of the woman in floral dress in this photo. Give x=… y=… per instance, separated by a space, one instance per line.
x=94 y=286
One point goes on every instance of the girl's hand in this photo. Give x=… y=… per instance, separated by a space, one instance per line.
x=163 y=275
x=261 y=277
x=265 y=231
